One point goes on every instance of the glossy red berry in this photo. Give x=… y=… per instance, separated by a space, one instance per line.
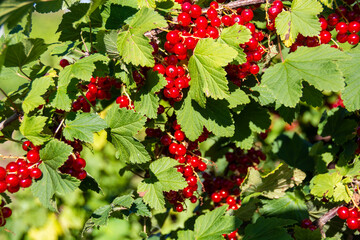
x=165 y=140
x=354 y=27
x=195 y=11
x=12 y=180
x=323 y=23
x=6 y=212
x=193 y=199
x=179 y=207
x=202 y=166
x=35 y=173
x=173 y=37
x=211 y=13
x=254 y=69
x=27 y=145
x=215 y=197
x=325 y=37
x=343 y=212
x=179 y=135
x=79 y=164
x=12 y=167
x=3 y=186
x=352 y=223
x=341 y=27
x=63 y=63
x=123 y=101
x=353 y=39
x=184 y=19
x=226 y=20
x=181 y=150
x=25 y=183
x=247 y=15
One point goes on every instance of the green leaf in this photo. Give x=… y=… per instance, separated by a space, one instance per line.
x=314 y=65
x=206 y=70
x=145 y=20
x=164 y=177
x=140 y=208
x=89 y=183
x=312 y=96
x=213 y=224
x=330 y=122
x=294 y=150
x=274 y=184
x=291 y=206
x=302 y=18
x=124 y=201
x=32 y=127
x=307 y=234
x=215 y=117
x=123 y=125
x=237 y=97
x=268 y=229
x=329 y=185
x=82 y=69
x=38 y=87
x=132 y=45
x=24 y=52
x=53 y=155
x=146 y=101
x=107 y=42
x=351 y=93
x=246 y=211
x=252 y=118
x=233 y=36
x=185 y=234
x=83 y=126
x=12 y=11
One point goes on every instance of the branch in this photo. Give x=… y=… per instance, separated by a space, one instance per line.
x=325 y=218
x=6 y=122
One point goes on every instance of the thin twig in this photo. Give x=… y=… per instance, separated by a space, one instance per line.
x=83 y=41
x=325 y=218
x=281 y=56
x=6 y=122
x=58 y=128
x=240 y=3
x=11 y=102
x=28 y=78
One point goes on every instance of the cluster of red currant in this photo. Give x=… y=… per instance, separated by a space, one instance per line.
x=5 y=212
x=307 y=223
x=273 y=12
x=124 y=102
x=352 y=217
x=75 y=165
x=226 y=189
x=347 y=30
x=98 y=88
x=21 y=172
x=231 y=236
x=189 y=157
x=253 y=48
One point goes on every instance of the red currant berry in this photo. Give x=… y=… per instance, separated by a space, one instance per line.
x=6 y=211
x=79 y=164
x=179 y=135
x=35 y=173
x=215 y=197
x=193 y=199
x=211 y=13
x=173 y=37
x=64 y=63
x=341 y=27
x=25 y=183
x=226 y=20
x=27 y=145
x=3 y=186
x=325 y=37
x=12 y=167
x=12 y=180
x=33 y=156
x=353 y=39
x=195 y=11
x=247 y=15
x=123 y=101
x=352 y=223
x=188 y=171
x=179 y=207
x=323 y=23
x=184 y=19
x=354 y=27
